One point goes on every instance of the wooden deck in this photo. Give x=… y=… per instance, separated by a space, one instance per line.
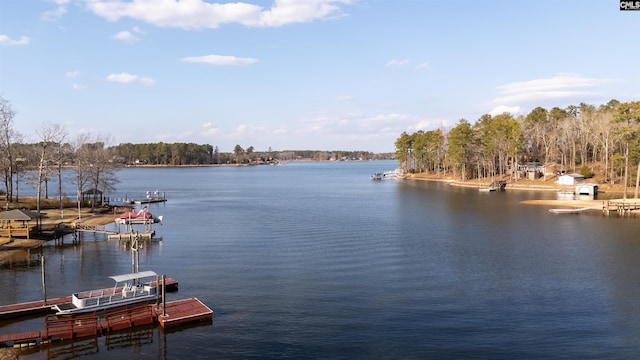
x=183 y=312
x=11 y=232
x=177 y=313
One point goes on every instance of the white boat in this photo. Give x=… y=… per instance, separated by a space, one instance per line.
x=486 y=189
x=129 y=289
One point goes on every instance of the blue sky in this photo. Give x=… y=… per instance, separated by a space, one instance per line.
x=305 y=74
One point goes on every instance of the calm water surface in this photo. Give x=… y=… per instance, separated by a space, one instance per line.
x=315 y=260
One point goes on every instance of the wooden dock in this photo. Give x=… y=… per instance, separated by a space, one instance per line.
x=174 y=313
x=39 y=307
x=149 y=198
x=620 y=206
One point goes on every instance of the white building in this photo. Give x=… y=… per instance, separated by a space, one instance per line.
x=570 y=179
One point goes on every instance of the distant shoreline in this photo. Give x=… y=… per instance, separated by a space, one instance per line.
x=524 y=185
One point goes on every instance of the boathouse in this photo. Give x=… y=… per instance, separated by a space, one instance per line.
x=587 y=189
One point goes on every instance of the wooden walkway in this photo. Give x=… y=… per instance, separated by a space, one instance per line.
x=175 y=313
x=31 y=308
x=102 y=229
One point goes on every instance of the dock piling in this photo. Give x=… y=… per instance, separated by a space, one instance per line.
x=44 y=282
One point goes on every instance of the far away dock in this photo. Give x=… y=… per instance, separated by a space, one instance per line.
x=621 y=206
x=149 y=198
x=608 y=207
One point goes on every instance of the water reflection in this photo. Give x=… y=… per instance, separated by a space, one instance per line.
x=124 y=344
x=21 y=258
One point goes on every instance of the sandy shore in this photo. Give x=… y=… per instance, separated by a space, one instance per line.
x=613 y=193
x=522 y=184
x=578 y=204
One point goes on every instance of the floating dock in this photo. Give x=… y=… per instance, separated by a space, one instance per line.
x=572 y=210
x=181 y=312
x=129 y=236
x=174 y=313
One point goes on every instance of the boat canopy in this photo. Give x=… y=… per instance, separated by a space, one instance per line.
x=133 y=276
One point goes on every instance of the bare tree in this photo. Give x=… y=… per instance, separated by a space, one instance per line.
x=8 y=137
x=93 y=165
x=50 y=135
x=81 y=164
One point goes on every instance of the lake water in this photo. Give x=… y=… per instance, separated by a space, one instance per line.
x=316 y=261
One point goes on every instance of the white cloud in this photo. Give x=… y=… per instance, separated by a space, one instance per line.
x=397 y=63
x=196 y=14
x=514 y=95
x=501 y=109
x=219 y=60
x=125 y=37
x=72 y=74
x=292 y=11
x=424 y=65
x=345 y=98
x=560 y=86
x=78 y=86
x=126 y=78
x=209 y=130
x=355 y=124
x=7 y=41
x=53 y=15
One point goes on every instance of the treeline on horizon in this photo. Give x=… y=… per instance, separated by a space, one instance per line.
x=181 y=154
x=584 y=138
